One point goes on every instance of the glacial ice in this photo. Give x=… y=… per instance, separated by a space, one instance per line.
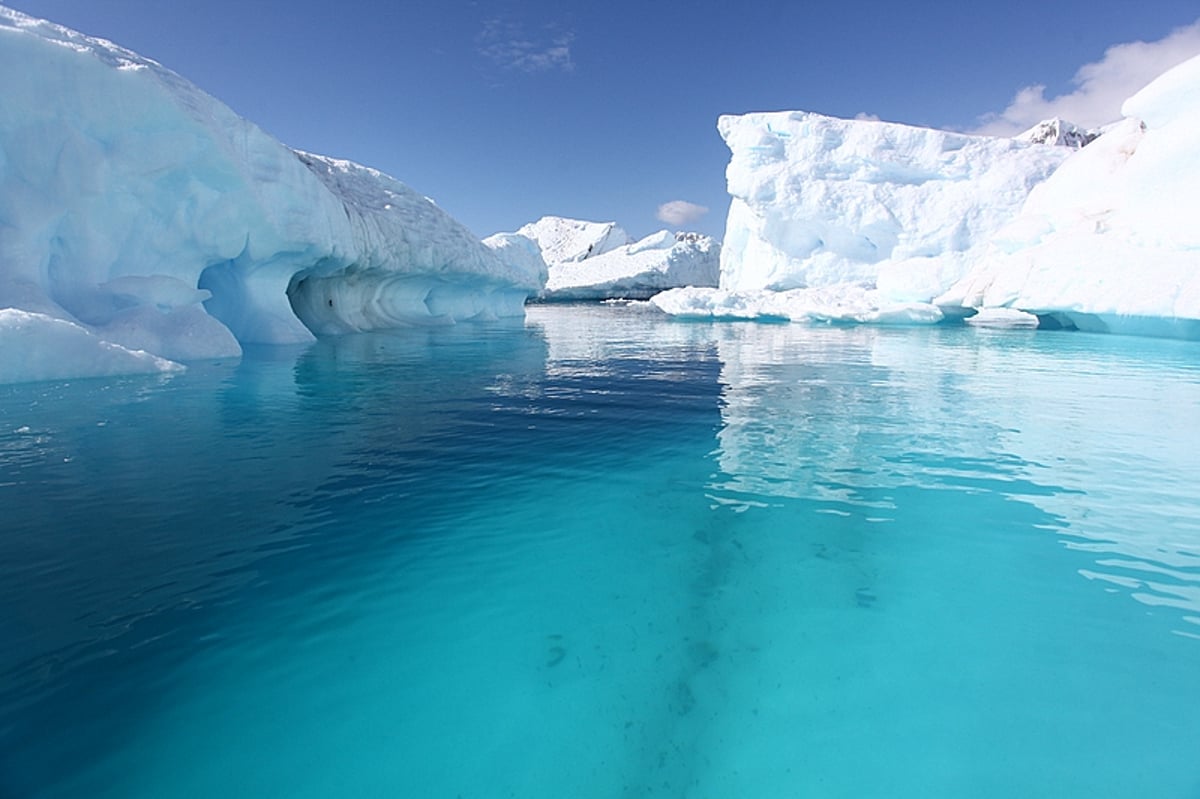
x=149 y=216
x=864 y=221
x=819 y=201
x=855 y=220
x=1111 y=242
x=37 y=346
x=599 y=261
x=562 y=240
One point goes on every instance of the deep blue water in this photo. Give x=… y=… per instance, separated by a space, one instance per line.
x=604 y=554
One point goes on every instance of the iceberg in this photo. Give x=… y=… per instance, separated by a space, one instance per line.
x=864 y=221
x=637 y=271
x=858 y=220
x=1111 y=242
x=599 y=261
x=37 y=346
x=152 y=218
x=819 y=201
x=563 y=240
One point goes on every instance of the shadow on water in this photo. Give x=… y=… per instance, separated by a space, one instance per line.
x=915 y=512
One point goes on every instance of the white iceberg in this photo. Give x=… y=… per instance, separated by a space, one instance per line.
x=563 y=240
x=863 y=221
x=819 y=201
x=1111 y=242
x=859 y=220
x=599 y=261
x=637 y=271
x=151 y=216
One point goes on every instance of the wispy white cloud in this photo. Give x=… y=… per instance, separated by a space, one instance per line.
x=512 y=45
x=1100 y=87
x=680 y=212
x=864 y=116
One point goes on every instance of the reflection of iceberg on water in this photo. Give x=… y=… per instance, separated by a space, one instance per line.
x=857 y=422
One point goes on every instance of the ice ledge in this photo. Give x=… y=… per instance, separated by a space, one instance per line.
x=843 y=303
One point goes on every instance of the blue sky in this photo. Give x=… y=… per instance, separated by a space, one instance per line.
x=504 y=112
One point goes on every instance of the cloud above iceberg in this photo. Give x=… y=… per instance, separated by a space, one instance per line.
x=1100 y=87
x=513 y=45
x=680 y=212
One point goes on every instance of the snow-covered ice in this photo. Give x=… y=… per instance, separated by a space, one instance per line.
x=639 y=270
x=1111 y=242
x=598 y=260
x=818 y=201
x=150 y=216
x=562 y=240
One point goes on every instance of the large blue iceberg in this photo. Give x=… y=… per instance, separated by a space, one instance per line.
x=143 y=222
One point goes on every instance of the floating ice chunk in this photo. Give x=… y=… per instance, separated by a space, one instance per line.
x=36 y=347
x=1004 y=318
x=584 y=260
x=841 y=303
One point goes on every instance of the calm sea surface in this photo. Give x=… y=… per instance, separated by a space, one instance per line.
x=605 y=554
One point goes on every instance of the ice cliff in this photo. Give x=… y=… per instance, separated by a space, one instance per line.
x=857 y=220
x=141 y=217
x=875 y=222
x=599 y=260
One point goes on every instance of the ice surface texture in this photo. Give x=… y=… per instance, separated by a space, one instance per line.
x=855 y=220
x=152 y=217
x=819 y=201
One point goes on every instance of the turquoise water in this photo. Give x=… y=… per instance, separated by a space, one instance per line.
x=603 y=554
